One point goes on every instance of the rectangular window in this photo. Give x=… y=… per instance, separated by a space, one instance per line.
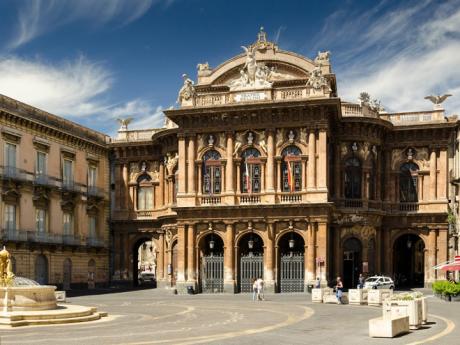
x=68 y=224
x=92 y=173
x=40 y=166
x=92 y=226
x=67 y=172
x=10 y=217
x=40 y=220
x=10 y=155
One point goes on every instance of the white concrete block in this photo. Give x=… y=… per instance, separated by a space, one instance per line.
x=357 y=296
x=377 y=296
x=388 y=328
x=60 y=296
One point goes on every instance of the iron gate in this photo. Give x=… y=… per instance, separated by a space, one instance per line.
x=292 y=273
x=212 y=274
x=251 y=266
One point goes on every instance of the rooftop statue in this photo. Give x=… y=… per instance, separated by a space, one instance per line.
x=124 y=123
x=187 y=92
x=317 y=83
x=6 y=273
x=323 y=56
x=438 y=99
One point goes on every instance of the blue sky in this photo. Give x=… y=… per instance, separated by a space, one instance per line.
x=94 y=61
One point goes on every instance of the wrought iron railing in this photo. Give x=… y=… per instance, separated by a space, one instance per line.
x=11 y=172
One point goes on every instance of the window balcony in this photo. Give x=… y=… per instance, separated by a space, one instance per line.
x=71 y=240
x=45 y=237
x=12 y=173
x=248 y=199
x=210 y=200
x=95 y=192
x=93 y=241
x=14 y=235
x=288 y=198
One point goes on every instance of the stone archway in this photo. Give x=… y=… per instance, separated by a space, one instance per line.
x=409 y=261
x=352 y=262
x=142 y=250
x=211 y=263
x=250 y=260
x=291 y=263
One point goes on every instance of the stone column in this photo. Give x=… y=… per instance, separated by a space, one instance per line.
x=229 y=187
x=322 y=160
x=118 y=184
x=126 y=254
x=442 y=181
x=161 y=185
x=191 y=165
x=161 y=261
x=311 y=254
x=433 y=176
x=304 y=182
x=181 y=258
x=125 y=187
x=238 y=178
x=322 y=241
x=386 y=234
x=378 y=250
x=191 y=269
x=200 y=183
x=387 y=176
x=269 y=260
x=270 y=176
x=229 y=259
x=278 y=176
x=182 y=173
x=338 y=255
x=311 y=179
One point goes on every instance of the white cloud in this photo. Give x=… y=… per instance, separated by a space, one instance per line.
x=399 y=56
x=76 y=90
x=38 y=17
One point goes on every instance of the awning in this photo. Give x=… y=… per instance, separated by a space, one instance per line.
x=453 y=265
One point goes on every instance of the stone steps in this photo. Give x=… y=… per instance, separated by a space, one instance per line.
x=67 y=314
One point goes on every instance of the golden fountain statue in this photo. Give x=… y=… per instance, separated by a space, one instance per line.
x=6 y=273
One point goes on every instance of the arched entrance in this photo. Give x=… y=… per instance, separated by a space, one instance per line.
x=408 y=261
x=352 y=262
x=41 y=269
x=211 y=264
x=67 y=274
x=144 y=262
x=91 y=274
x=251 y=260
x=291 y=248
x=172 y=269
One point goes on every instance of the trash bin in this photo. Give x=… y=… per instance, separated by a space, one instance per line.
x=309 y=288
x=190 y=290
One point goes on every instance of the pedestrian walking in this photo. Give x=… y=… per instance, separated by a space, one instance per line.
x=260 y=289
x=339 y=290
x=361 y=281
x=317 y=283
x=255 y=293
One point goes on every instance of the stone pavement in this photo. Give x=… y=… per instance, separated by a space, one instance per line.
x=154 y=317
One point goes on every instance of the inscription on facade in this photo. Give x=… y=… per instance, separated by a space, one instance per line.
x=250 y=96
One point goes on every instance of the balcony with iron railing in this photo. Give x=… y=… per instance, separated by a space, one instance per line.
x=247 y=199
x=289 y=198
x=210 y=200
x=12 y=173
x=71 y=240
x=96 y=192
x=93 y=241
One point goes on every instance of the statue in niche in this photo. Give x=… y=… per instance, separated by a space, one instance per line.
x=354 y=147
x=187 y=90
x=291 y=135
x=211 y=140
x=250 y=138
x=143 y=166
x=317 y=81
x=410 y=154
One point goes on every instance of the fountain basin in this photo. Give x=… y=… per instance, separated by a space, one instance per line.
x=33 y=297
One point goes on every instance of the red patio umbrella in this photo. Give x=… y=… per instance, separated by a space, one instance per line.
x=452 y=266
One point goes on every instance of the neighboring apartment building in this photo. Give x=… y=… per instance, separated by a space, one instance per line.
x=268 y=173
x=54 y=180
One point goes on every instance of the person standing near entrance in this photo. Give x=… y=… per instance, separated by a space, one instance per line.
x=260 y=289
x=361 y=281
x=339 y=290
x=255 y=290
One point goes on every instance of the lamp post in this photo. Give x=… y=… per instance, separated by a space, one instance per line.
x=291 y=243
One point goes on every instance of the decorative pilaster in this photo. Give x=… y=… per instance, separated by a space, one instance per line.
x=182 y=164
x=322 y=251
x=311 y=254
x=161 y=261
x=161 y=185
x=322 y=160
x=433 y=175
x=229 y=259
x=191 y=269
x=442 y=181
x=229 y=187
x=125 y=187
x=191 y=166
x=311 y=178
x=181 y=258
x=269 y=260
x=270 y=167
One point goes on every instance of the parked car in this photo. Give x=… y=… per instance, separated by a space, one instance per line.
x=379 y=282
x=146 y=278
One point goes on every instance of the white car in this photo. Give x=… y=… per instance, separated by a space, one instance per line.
x=379 y=282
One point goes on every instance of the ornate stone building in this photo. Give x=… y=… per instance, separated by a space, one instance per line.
x=54 y=209
x=264 y=171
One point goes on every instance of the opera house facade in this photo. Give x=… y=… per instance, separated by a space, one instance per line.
x=263 y=171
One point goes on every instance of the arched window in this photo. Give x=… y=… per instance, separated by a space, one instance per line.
x=353 y=173
x=408 y=175
x=291 y=169
x=144 y=193
x=250 y=171
x=212 y=173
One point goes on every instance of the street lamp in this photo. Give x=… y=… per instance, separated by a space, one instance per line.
x=291 y=242
x=409 y=243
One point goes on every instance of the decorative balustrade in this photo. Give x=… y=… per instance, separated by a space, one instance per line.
x=409 y=206
x=144 y=213
x=291 y=198
x=250 y=199
x=135 y=135
x=210 y=200
x=415 y=117
x=351 y=109
x=353 y=203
